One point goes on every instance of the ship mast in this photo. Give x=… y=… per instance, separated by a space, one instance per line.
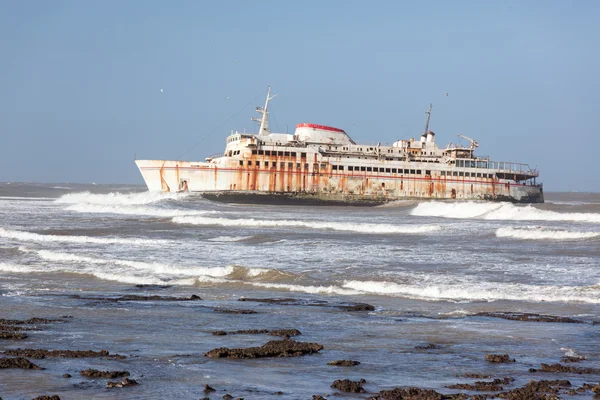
x=428 y=112
x=263 y=130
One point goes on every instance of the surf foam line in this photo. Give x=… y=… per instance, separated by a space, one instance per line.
x=42 y=238
x=482 y=291
x=543 y=234
x=336 y=226
x=117 y=198
x=230 y=273
x=497 y=211
x=133 y=210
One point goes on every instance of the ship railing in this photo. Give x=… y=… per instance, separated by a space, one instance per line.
x=216 y=155
x=498 y=166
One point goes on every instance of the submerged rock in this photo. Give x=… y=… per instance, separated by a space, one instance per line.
x=94 y=373
x=12 y=335
x=18 y=362
x=134 y=297
x=234 y=311
x=481 y=386
x=274 y=332
x=274 y=348
x=499 y=358
x=55 y=397
x=32 y=321
x=343 y=363
x=429 y=346
x=357 y=307
x=346 y=385
x=208 y=389
x=124 y=383
x=413 y=394
x=43 y=353
x=565 y=369
x=528 y=317
x=536 y=390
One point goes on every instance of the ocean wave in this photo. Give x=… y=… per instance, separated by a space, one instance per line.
x=481 y=291
x=43 y=238
x=537 y=233
x=497 y=211
x=331 y=289
x=337 y=226
x=117 y=198
x=230 y=273
x=134 y=210
x=229 y=238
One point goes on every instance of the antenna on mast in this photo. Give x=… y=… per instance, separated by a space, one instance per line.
x=428 y=112
x=263 y=130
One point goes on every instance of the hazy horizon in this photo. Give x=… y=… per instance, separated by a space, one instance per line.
x=88 y=86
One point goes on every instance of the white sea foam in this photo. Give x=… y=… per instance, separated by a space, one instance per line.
x=133 y=210
x=35 y=237
x=337 y=226
x=497 y=211
x=160 y=268
x=119 y=198
x=537 y=233
x=228 y=238
x=480 y=291
x=332 y=289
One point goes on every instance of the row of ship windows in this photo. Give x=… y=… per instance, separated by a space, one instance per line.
x=234 y=153
x=273 y=164
x=277 y=153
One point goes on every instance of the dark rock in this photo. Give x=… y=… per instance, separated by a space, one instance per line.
x=219 y=333
x=66 y=375
x=12 y=335
x=124 y=383
x=55 y=397
x=474 y=376
x=94 y=373
x=284 y=332
x=21 y=328
x=528 y=317
x=536 y=390
x=134 y=297
x=249 y=332
x=565 y=369
x=346 y=385
x=208 y=389
x=270 y=301
x=227 y=397
x=234 y=311
x=412 y=394
x=278 y=393
x=318 y=397
x=481 y=386
x=43 y=353
x=31 y=321
x=343 y=363
x=429 y=346
x=151 y=286
x=499 y=358
x=357 y=307
x=18 y=362
x=569 y=359
x=596 y=389
x=274 y=348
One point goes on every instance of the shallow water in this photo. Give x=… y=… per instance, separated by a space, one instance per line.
x=426 y=267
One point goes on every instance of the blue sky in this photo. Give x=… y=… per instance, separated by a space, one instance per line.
x=81 y=81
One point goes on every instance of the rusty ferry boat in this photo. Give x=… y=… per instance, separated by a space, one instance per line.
x=322 y=165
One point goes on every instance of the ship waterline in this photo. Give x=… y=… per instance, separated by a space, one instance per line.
x=322 y=164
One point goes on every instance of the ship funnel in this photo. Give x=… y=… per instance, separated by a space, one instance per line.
x=430 y=136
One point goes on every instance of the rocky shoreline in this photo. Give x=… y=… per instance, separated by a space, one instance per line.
x=12 y=331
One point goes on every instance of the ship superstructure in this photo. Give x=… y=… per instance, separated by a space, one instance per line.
x=322 y=164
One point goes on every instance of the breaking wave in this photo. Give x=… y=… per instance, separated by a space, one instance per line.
x=337 y=226
x=480 y=291
x=133 y=210
x=42 y=238
x=537 y=233
x=497 y=211
x=119 y=198
x=154 y=273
